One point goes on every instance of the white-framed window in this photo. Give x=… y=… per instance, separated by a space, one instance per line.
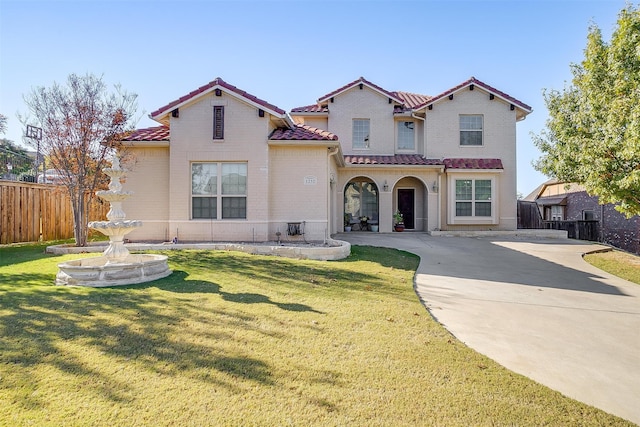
x=472 y=198
x=360 y=137
x=406 y=135
x=557 y=213
x=218 y=190
x=471 y=126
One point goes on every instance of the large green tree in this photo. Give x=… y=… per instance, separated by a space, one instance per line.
x=82 y=124
x=593 y=131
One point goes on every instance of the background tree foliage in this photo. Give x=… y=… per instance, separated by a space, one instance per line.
x=593 y=130
x=82 y=125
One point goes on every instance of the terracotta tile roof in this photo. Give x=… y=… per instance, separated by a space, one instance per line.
x=411 y=100
x=314 y=108
x=416 y=159
x=208 y=87
x=156 y=133
x=398 y=109
x=302 y=133
x=476 y=82
x=473 y=163
x=398 y=159
x=391 y=95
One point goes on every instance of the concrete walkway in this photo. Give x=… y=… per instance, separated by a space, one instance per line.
x=536 y=307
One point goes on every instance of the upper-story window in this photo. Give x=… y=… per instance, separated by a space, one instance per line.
x=360 y=138
x=218 y=122
x=471 y=130
x=406 y=136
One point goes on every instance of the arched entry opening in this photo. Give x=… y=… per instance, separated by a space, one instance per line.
x=361 y=204
x=411 y=200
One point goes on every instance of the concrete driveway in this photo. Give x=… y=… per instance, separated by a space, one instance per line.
x=536 y=307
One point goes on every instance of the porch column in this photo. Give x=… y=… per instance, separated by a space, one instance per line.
x=385 y=211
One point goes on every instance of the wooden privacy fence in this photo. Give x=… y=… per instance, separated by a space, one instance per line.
x=529 y=215
x=37 y=212
x=579 y=229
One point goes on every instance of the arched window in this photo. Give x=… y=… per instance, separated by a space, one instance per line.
x=361 y=199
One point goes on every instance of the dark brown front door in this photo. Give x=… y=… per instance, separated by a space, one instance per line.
x=406 y=202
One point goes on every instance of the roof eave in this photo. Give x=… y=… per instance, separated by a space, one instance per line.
x=525 y=109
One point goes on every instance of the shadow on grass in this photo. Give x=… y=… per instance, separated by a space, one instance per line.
x=59 y=327
x=177 y=282
x=162 y=327
x=332 y=278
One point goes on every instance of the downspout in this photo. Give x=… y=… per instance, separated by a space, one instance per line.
x=439 y=217
x=332 y=153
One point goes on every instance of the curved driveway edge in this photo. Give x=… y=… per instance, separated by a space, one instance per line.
x=536 y=307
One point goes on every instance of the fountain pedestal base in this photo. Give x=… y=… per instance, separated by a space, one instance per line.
x=99 y=271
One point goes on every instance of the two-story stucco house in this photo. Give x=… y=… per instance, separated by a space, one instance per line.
x=225 y=165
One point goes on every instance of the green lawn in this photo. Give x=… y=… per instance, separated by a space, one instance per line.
x=231 y=339
x=618 y=263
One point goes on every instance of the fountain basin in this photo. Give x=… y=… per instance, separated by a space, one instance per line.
x=100 y=271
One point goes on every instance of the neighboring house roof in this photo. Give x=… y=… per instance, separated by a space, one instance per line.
x=539 y=189
x=218 y=83
x=416 y=159
x=473 y=81
x=357 y=82
x=156 y=133
x=556 y=200
x=302 y=133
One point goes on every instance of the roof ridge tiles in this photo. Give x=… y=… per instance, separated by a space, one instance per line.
x=355 y=82
x=217 y=82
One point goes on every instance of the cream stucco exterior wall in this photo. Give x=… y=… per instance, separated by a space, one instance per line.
x=363 y=103
x=244 y=141
x=313 y=121
x=148 y=179
x=442 y=139
x=299 y=190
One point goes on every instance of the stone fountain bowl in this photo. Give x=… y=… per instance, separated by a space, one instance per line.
x=115 y=228
x=99 y=271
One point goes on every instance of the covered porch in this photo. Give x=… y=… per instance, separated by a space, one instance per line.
x=369 y=200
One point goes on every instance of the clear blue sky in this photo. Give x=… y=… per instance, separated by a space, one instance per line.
x=289 y=53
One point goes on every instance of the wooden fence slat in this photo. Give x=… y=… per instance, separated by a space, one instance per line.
x=30 y=212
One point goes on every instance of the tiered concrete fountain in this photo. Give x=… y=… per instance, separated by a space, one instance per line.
x=116 y=266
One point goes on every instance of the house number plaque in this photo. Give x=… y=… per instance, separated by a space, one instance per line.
x=310 y=180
